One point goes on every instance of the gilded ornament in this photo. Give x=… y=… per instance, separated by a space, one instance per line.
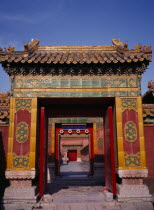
x=130 y=131
x=20 y=161
x=22 y=132
x=49 y=142
x=100 y=142
x=99 y=125
x=132 y=83
x=132 y=160
x=129 y=103
x=23 y=104
x=19 y=83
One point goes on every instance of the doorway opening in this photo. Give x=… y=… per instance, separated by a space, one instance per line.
x=77 y=109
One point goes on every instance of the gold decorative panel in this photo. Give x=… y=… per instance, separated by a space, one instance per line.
x=23 y=104
x=129 y=103
x=22 y=132
x=132 y=160
x=20 y=161
x=130 y=131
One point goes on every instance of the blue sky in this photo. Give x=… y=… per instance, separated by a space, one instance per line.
x=77 y=23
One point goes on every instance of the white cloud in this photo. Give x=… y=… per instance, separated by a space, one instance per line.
x=51 y=13
x=26 y=19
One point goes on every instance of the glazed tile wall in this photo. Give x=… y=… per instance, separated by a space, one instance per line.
x=44 y=86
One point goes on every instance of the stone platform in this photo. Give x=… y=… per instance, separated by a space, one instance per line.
x=87 y=198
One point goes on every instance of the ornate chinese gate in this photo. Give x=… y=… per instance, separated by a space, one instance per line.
x=100 y=73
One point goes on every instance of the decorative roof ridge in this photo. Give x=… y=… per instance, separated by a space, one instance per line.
x=5 y=95
x=4 y=107
x=4 y=100
x=149 y=95
x=117 y=46
x=151 y=88
x=148 y=110
x=76 y=48
x=148 y=106
x=151 y=85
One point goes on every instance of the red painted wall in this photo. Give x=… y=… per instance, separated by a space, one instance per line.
x=22 y=148
x=77 y=141
x=149 y=147
x=85 y=153
x=130 y=147
x=3 y=149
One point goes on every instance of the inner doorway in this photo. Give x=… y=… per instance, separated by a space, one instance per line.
x=72 y=155
x=74 y=149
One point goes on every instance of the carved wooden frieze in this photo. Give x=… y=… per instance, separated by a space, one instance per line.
x=109 y=69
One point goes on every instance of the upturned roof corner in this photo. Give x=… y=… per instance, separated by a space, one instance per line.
x=148 y=97
x=124 y=47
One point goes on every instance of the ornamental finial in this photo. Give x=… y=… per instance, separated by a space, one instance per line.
x=32 y=45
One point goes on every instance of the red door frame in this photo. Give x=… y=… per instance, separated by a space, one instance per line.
x=57 y=150
x=110 y=173
x=43 y=153
x=91 y=153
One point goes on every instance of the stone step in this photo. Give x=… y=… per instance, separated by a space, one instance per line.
x=74 y=181
x=66 y=180
x=74 y=178
x=75 y=197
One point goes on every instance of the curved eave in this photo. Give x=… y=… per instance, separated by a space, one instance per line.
x=76 y=57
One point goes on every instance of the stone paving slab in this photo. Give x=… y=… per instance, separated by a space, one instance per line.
x=74 y=169
x=80 y=206
x=95 y=206
x=74 y=194
x=84 y=206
